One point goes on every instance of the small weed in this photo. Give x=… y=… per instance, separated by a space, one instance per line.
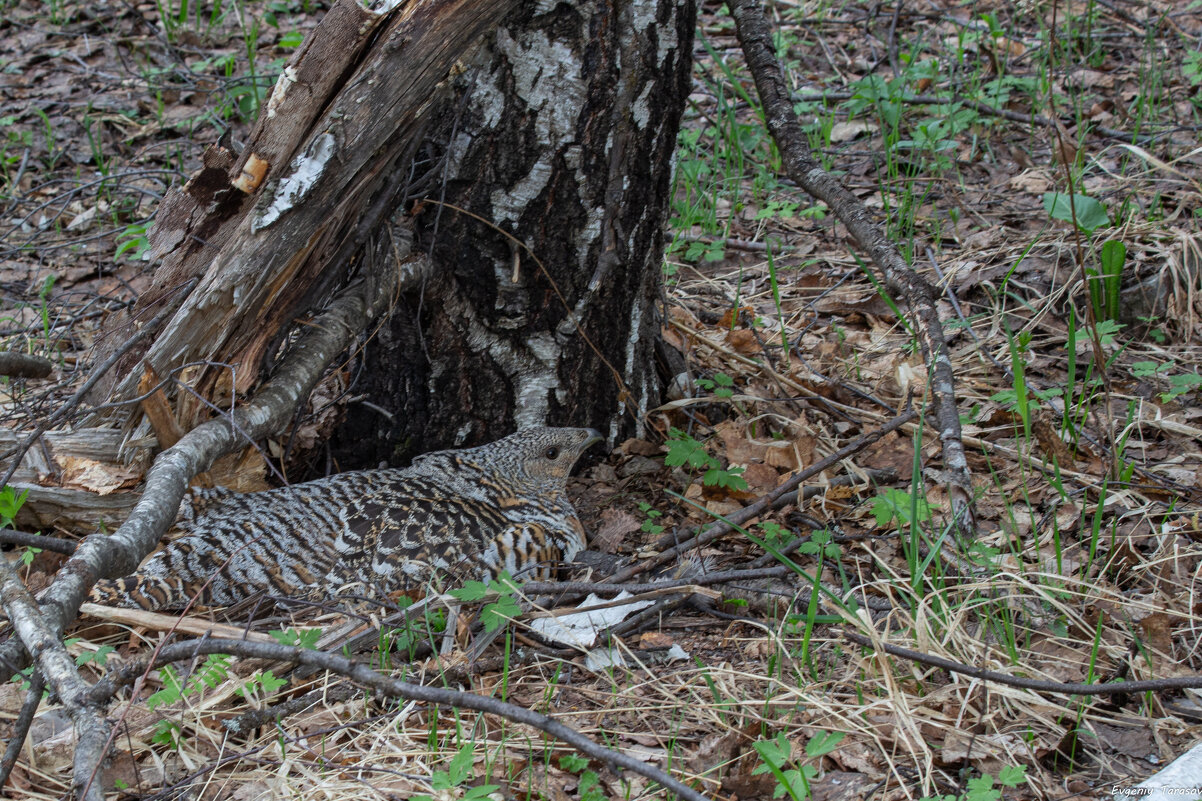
x=776 y=755
x=986 y=788
x=458 y=771
x=683 y=451
x=260 y=686
x=10 y=505
x=721 y=385
x=649 y=525
x=302 y=638
x=500 y=611
x=208 y=675
x=589 y=786
x=899 y=504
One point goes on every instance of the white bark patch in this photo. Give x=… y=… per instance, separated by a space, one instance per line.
x=381 y=7
x=508 y=204
x=531 y=369
x=641 y=108
x=632 y=342
x=303 y=173
x=545 y=74
x=280 y=91
x=643 y=17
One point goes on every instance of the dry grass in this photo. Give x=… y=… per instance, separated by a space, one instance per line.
x=1081 y=576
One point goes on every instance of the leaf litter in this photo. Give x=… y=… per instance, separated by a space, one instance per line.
x=1088 y=559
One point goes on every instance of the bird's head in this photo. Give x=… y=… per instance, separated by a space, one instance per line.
x=547 y=455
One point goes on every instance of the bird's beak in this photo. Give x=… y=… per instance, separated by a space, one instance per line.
x=594 y=436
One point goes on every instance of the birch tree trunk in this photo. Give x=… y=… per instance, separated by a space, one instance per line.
x=554 y=158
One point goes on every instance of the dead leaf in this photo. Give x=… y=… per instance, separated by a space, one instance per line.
x=615 y=525
x=639 y=447
x=742 y=340
x=761 y=477
x=851 y=129
x=1051 y=443
x=655 y=639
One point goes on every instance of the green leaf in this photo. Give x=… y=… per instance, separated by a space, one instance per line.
x=730 y=478
x=573 y=763
x=461 y=764
x=496 y=614
x=1090 y=214
x=269 y=682
x=1012 y=775
x=10 y=503
x=471 y=591
x=776 y=752
x=684 y=450
x=824 y=742
x=896 y=503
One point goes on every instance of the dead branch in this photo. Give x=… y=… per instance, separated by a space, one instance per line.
x=39 y=629
x=58 y=668
x=1069 y=688
x=755 y=37
x=335 y=126
x=30 y=540
x=120 y=553
x=386 y=685
x=12 y=752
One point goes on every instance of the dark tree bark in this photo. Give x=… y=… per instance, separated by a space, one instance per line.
x=559 y=137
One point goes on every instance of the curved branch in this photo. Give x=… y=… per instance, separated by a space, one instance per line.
x=756 y=39
x=120 y=553
x=1069 y=688
x=393 y=687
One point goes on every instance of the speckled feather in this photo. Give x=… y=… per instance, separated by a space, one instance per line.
x=449 y=517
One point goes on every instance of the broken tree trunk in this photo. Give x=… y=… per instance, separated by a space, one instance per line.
x=553 y=133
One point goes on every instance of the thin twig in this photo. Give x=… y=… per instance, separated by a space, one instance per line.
x=755 y=37
x=1069 y=688
x=21 y=726
x=25 y=538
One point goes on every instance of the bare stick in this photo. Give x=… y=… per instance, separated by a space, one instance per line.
x=120 y=552
x=21 y=727
x=61 y=674
x=57 y=544
x=756 y=40
x=369 y=678
x=1069 y=688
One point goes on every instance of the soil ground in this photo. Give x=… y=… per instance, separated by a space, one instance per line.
x=1077 y=380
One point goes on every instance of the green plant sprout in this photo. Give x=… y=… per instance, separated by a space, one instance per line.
x=683 y=451
x=458 y=771
x=495 y=614
x=776 y=755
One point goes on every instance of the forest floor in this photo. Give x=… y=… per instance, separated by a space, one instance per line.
x=1074 y=331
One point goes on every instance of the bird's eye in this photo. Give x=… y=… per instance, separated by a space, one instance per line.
x=551 y=453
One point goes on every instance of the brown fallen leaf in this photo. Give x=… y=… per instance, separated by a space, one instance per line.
x=742 y=340
x=615 y=525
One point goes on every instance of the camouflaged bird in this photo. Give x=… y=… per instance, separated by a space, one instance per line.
x=449 y=517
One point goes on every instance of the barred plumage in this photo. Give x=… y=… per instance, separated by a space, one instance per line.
x=450 y=516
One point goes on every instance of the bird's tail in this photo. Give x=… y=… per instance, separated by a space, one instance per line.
x=140 y=592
